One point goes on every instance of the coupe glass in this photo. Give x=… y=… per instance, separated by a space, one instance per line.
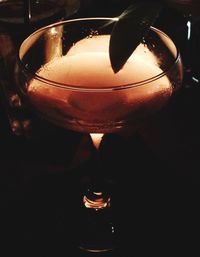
x=64 y=74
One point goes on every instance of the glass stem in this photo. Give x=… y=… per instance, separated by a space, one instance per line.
x=98 y=229
x=96 y=196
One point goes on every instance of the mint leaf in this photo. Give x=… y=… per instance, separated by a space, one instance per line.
x=132 y=26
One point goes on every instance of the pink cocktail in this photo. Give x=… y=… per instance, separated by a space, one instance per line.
x=73 y=84
x=65 y=75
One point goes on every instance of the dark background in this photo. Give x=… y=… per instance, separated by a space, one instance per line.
x=157 y=173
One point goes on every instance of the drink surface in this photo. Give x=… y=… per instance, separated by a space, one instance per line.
x=87 y=66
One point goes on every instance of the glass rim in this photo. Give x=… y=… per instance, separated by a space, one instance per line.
x=91 y=89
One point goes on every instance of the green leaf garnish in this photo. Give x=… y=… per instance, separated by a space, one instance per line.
x=132 y=26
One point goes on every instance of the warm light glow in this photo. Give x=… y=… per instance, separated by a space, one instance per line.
x=53 y=31
x=96 y=203
x=96 y=139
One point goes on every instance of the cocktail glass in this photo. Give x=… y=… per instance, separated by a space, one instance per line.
x=65 y=76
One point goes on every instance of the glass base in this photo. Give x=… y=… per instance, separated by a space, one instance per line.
x=97 y=231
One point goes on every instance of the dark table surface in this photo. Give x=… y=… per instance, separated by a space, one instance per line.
x=157 y=192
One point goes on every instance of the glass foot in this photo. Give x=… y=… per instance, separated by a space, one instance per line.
x=98 y=232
